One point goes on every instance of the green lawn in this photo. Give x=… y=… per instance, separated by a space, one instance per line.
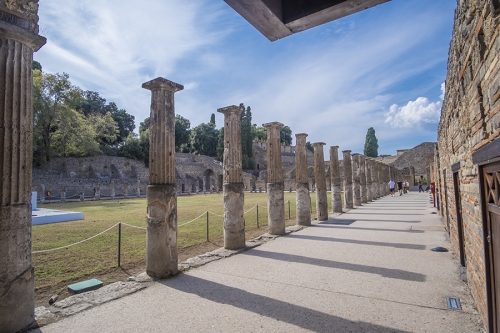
x=100 y=253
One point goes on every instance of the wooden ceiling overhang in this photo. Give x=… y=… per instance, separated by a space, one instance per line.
x=276 y=19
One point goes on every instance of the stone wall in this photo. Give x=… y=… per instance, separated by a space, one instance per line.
x=470 y=119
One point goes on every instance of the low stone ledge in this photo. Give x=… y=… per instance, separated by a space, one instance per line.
x=77 y=303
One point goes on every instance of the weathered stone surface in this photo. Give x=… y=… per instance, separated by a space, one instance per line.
x=276 y=209
x=18 y=41
x=161 y=237
x=234 y=220
x=368 y=171
x=335 y=180
x=362 y=179
x=319 y=175
x=356 y=179
x=303 y=207
x=347 y=165
x=275 y=195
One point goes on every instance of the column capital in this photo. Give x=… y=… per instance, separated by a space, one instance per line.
x=230 y=109
x=301 y=135
x=319 y=144
x=337 y=147
x=162 y=83
x=355 y=154
x=273 y=124
x=346 y=151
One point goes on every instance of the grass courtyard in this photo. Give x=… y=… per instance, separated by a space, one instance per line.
x=99 y=255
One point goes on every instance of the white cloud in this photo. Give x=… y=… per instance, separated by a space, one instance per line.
x=415 y=113
x=443 y=90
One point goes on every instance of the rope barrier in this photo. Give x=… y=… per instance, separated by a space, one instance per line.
x=66 y=246
x=191 y=220
x=215 y=214
x=250 y=209
x=133 y=226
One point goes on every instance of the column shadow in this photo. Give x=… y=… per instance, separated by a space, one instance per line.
x=297 y=315
x=321 y=225
x=385 y=272
x=359 y=242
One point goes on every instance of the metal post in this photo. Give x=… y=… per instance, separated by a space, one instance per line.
x=207 y=226
x=289 y=209
x=257 y=216
x=119 y=242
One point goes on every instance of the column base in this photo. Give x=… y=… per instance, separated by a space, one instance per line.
x=337 y=199
x=161 y=237
x=234 y=220
x=321 y=205
x=276 y=208
x=303 y=209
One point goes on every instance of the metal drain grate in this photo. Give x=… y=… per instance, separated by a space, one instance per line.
x=453 y=303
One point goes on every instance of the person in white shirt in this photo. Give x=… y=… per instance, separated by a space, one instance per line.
x=391 y=187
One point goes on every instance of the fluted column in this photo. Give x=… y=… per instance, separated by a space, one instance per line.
x=18 y=40
x=368 y=173
x=303 y=198
x=362 y=178
x=356 y=180
x=234 y=220
x=319 y=175
x=380 y=181
x=275 y=195
x=161 y=237
x=348 y=197
x=335 y=179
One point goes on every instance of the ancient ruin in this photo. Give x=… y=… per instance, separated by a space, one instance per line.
x=348 y=195
x=303 y=210
x=319 y=175
x=161 y=237
x=335 y=180
x=275 y=196
x=18 y=40
x=234 y=221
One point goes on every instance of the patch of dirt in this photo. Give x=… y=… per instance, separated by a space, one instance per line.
x=43 y=294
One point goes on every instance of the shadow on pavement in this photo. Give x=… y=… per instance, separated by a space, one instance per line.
x=321 y=225
x=385 y=272
x=297 y=315
x=360 y=242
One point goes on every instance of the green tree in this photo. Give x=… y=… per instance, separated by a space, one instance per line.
x=259 y=132
x=246 y=137
x=144 y=125
x=220 y=144
x=105 y=128
x=182 y=130
x=286 y=135
x=204 y=139
x=125 y=122
x=36 y=65
x=212 y=118
x=53 y=99
x=309 y=146
x=371 y=144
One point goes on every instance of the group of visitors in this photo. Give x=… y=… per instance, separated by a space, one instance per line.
x=403 y=187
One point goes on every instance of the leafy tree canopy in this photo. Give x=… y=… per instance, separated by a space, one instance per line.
x=371 y=144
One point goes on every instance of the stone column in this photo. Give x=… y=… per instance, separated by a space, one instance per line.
x=125 y=190
x=347 y=179
x=275 y=195
x=356 y=179
x=18 y=40
x=161 y=236
x=233 y=187
x=319 y=175
x=362 y=178
x=335 y=179
x=138 y=187
x=303 y=209
x=368 y=173
x=63 y=193
x=412 y=176
x=112 y=188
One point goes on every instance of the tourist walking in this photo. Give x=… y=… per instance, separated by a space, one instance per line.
x=420 y=188
x=406 y=186
x=391 y=187
x=400 y=188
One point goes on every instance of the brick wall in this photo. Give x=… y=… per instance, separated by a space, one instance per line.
x=469 y=120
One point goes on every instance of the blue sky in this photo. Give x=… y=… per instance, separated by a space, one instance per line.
x=384 y=67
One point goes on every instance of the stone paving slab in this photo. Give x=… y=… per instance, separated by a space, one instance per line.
x=376 y=274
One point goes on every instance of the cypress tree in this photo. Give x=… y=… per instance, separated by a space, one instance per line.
x=371 y=144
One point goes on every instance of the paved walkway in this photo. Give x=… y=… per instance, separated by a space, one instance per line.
x=368 y=270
